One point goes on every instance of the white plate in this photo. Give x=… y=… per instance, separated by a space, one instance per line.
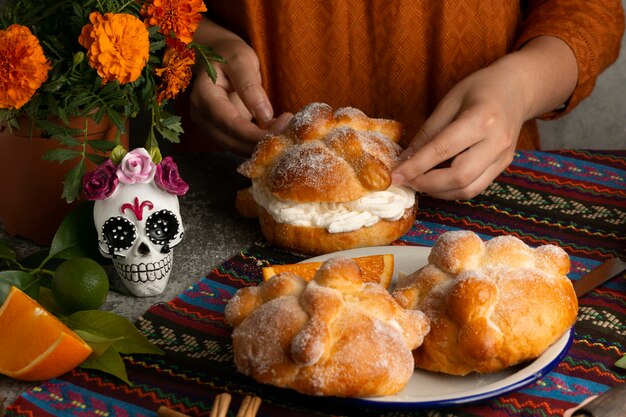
x=433 y=390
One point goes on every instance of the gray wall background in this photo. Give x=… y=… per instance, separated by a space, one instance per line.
x=599 y=122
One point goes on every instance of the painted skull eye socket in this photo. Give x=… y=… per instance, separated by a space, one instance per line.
x=119 y=234
x=162 y=227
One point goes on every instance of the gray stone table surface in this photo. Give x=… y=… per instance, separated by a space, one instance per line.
x=214 y=232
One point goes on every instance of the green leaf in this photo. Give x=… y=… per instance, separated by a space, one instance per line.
x=35 y=259
x=53 y=128
x=210 y=70
x=46 y=299
x=61 y=155
x=6 y=252
x=110 y=362
x=74 y=233
x=110 y=325
x=169 y=126
x=621 y=362
x=64 y=116
x=114 y=115
x=73 y=182
x=99 y=344
x=151 y=141
x=102 y=145
x=208 y=55
x=24 y=281
x=153 y=30
x=156 y=46
x=170 y=134
x=67 y=140
x=155 y=154
x=117 y=154
x=96 y=159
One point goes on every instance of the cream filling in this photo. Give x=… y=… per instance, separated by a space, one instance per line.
x=337 y=217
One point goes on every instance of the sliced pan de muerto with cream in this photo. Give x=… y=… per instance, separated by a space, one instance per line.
x=324 y=184
x=335 y=335
x=491 y=304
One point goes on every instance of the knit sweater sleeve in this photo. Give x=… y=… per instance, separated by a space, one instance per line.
x=592 y=29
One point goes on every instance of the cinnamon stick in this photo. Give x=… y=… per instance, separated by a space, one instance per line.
x=164 y=411
x=220 y=405
x=249 y=406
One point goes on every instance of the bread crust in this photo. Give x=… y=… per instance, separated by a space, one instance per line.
x=317 y=240
x=491 y=304
x=326 y=156
x=335 y=335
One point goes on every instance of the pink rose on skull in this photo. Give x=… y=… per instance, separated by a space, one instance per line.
x=100 y=183
x=136 y=167
x=168 y=178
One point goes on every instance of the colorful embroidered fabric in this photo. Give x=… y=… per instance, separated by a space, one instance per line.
x=574 y=199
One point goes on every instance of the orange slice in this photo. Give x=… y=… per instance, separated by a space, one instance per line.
x=375 y=268
x=35 y=345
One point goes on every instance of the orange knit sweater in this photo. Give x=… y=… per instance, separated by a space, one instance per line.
x=397 y=58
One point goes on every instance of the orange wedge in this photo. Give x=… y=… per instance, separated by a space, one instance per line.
x=375 y=268
x=35 y=345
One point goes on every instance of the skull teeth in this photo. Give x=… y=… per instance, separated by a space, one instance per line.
x=145 y=272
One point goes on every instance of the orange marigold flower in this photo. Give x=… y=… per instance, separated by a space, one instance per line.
x=176 y=71
x=23 y=66
x=178 y=17
x=117 y=46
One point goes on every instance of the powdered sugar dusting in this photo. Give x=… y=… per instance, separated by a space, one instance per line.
x=349 y=112
x=514 y=298
x=308 y=115
x=355 y=345
x=308 y=339
x=452 y=237
x=310 y=164
x=326 y=156
x=379 y=145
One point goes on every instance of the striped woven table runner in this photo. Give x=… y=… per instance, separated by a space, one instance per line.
x=574 y=199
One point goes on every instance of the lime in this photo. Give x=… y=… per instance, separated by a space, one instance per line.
x=80 y=284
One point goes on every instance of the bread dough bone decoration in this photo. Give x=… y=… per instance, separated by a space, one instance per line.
x=491 y=304
x=324 y=184
x=335 y=335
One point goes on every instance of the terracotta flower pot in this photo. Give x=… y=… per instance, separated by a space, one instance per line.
x=30 y=187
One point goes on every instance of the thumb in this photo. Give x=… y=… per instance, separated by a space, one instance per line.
x=445 y=112
x=436 y=122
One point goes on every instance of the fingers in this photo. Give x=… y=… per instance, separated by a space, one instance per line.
x=242 y=69
x=465 y=178
x=442 y=116
x=435 y=145
x=224 y=117
x=476 y=146
x=225 y=110
x=278 y=124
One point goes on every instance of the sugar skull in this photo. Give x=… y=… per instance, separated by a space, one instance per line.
x=138 y=219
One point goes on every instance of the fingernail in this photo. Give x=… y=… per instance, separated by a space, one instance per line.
x=406 y=154
x=397 y=179
x=279 y=126
x=263 y=112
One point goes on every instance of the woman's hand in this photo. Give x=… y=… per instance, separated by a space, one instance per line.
x=475 y=127
x=226 y=109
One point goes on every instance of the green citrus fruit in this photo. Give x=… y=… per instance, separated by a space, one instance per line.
x=80 y=284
